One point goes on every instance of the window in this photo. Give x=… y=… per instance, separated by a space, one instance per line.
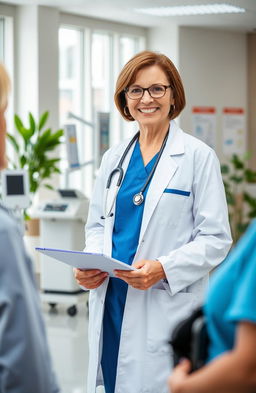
x=101 y=92
x=70 y=89
x=90 y=61
x=128 y=47
x=101 y=44
x=71 y=93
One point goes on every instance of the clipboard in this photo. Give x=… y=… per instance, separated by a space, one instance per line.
x=84 y=260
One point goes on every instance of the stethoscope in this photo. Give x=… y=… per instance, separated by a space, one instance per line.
x=138 y=198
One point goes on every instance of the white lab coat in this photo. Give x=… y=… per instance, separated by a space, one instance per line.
x=189 y=235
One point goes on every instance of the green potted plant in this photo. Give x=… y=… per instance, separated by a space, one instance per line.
x=32 y=148
x=237 y=177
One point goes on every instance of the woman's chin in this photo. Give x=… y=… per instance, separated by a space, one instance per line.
x=150 y=120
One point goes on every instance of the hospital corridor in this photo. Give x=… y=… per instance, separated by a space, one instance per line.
x=69 y=346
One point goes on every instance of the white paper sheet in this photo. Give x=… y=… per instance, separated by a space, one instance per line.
x=84 y=260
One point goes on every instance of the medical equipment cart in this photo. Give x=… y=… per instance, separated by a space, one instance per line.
x=62 y=224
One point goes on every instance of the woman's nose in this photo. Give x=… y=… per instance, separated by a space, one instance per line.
x=146 y=97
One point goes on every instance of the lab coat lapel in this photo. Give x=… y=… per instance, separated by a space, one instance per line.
x=109 y=222
x=164 y=172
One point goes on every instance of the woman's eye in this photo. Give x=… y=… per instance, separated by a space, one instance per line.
x=157 y=89
x=135 y=90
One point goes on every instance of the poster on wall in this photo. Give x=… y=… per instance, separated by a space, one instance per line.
x=233 y=131
x=204 y=124
x=71 y=145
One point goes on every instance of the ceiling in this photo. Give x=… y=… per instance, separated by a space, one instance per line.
x=123 y=11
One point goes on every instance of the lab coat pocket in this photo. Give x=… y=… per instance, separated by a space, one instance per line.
x=164 y=312
x=171 y=207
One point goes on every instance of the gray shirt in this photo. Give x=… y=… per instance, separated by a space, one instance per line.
x=25 y=364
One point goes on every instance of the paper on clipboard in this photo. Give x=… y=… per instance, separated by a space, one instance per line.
x=85 y=260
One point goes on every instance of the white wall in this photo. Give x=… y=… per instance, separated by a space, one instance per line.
x=213 y=66
x=48 y=63
x=36 y=60
x=26 y=61
x=165 y=39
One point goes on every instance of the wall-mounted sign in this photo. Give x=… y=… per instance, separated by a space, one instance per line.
x=233 y=131
x=71 y=144
x=103 y=127
x=204 y=124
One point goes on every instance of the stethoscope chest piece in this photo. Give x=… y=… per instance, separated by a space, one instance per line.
x=138 y=199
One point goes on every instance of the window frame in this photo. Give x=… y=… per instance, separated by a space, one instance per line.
x=115 y=32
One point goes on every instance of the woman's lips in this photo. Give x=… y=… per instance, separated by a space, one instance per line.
x=147 y=110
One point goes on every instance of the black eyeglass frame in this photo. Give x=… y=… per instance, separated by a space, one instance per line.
x=126 y=91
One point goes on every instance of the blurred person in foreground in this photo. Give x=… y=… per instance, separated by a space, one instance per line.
x=25 y=365
x=230 y=310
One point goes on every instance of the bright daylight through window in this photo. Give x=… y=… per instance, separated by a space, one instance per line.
x=89 y=63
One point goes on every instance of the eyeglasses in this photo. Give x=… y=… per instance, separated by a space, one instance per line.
x=155 y=91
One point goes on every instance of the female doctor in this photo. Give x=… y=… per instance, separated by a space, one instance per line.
x=168 y=219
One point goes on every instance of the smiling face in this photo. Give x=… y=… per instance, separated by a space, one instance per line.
x=148 y=111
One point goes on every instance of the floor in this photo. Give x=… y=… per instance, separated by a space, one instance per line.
x=67 y=336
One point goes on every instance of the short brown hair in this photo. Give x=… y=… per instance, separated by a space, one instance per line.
x=142 y=60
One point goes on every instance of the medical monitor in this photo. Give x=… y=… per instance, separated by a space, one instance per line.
x=15 y=188
x=71 y=193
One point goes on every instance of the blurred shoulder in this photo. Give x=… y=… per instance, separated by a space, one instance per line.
x=10 y=242
x=7 y=223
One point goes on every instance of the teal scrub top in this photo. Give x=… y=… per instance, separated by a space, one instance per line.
x=125 y=238
x=232 y=295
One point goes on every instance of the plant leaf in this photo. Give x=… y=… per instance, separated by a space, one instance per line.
x=224 y=169
x=13 y=142
x=32 y=123
x=237 y=162
x=18 y=123
x=43 y=120
x=236 y=179
x=23 y=161
x=250 y=175
x=49 y=186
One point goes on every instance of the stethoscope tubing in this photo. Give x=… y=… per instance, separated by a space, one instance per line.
x=120 y=172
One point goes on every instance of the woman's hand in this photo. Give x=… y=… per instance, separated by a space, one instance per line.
x=149 y=273
x=179 y=375
x=90 y=279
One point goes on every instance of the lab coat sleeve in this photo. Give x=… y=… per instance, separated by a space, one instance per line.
x=210 y=238
x=25 y=364
x=94 y=229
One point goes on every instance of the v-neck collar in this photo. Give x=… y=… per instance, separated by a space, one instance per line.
x=147 y=168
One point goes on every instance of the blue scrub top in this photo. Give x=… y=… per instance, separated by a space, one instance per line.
x=232 y=295
x=126 y=232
